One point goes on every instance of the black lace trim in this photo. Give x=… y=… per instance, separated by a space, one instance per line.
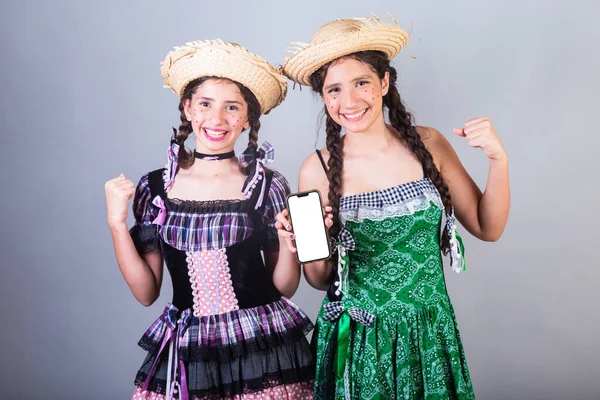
x=208 y=206
x=287 y=364
x=145 y=238
x=247 y=386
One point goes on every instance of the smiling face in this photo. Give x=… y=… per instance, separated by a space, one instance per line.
x=353 y=95
x=218 y=114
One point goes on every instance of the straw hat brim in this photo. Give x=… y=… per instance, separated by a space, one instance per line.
x=372 y=35
x=224 y=60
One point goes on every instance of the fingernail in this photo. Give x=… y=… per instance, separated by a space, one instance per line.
x=292 y=236
x=288 y=227
x=293 y=250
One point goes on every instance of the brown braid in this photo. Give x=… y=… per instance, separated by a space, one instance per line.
x=404 y=129
x=254 y=122
x=335 y=147
x=335 y=166
x=253 y=135
x=185 y=156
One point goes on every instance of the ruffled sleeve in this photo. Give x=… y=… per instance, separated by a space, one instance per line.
x=275 y=203
x=144 y=233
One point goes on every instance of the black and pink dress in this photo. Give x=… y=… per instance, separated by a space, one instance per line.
x=228 y=332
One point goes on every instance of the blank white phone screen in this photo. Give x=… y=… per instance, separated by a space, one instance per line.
x=309 y=227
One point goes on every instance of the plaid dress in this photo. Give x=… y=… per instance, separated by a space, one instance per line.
x=227 y=333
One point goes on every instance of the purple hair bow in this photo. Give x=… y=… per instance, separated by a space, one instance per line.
x=263 y=156
x=171 y=167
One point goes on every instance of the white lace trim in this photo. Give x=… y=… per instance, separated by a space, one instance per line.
x=211 y=284
x=402 y=208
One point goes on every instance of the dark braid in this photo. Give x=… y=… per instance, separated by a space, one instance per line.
x=254 y=122
x=253 y=135
x=252 y=148
x=404 y=129
x=335 y=147
x=185 y=156
x=335 y=167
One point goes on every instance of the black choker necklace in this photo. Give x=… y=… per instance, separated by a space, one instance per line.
x=212 y=157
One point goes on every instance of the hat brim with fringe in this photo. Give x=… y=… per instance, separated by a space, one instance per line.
x=224 y=60
x=340 y=38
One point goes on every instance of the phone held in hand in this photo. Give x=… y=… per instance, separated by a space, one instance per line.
x=308 y=224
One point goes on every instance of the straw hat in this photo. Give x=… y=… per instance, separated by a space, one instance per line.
x=225 y=60
x=339 y=38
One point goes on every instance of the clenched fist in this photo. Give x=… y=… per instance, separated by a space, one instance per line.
x=480 y=133
x=118 y=192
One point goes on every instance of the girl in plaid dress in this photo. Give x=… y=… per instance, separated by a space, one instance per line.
x=230 y=330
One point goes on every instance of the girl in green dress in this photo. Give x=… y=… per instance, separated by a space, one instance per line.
x=387 y=329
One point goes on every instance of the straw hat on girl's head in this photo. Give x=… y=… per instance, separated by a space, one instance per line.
x=340 y=38
x=224 y=60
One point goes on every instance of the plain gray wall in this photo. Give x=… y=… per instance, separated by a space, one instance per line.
x=82 y=101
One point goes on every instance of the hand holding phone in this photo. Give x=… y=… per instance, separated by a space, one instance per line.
x=284 y=226
x=309 y=226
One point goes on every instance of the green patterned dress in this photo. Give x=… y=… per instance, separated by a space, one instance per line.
x=392 y=332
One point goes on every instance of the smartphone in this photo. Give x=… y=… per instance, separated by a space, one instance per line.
x=308 y=224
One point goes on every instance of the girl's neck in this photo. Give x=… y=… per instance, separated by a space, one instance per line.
x=375 y=140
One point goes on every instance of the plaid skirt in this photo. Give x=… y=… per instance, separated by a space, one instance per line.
x=230 y=355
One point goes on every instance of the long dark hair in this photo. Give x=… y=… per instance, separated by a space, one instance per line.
x=404 y=130
x=185 y=156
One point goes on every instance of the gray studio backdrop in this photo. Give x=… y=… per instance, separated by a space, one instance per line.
x=82 y=101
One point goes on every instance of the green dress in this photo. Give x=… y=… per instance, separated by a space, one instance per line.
x=392 y=332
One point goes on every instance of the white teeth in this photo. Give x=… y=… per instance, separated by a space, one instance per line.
x=352 y=116
x=215 y=133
